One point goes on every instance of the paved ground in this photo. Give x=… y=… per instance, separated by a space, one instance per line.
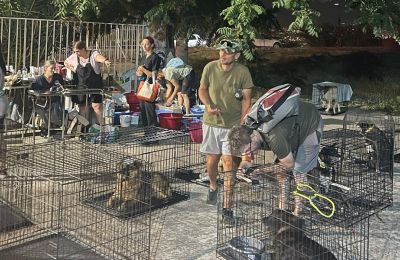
x=189 y=230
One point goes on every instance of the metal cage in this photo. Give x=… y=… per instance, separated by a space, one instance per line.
x=46 y=210
x=396 y=119
x=263 y=225
x=164 y=150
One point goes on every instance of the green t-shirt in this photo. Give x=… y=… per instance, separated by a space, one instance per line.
x=222 y=86
x=284 y=138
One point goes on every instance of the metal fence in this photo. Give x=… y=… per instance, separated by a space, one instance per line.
x=29 y=42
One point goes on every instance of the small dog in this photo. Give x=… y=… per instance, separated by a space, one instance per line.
x=134 y=185
x=289 y=240
x=378 y=147
x=329 y=100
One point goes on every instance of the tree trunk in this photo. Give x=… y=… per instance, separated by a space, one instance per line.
x=181 y=50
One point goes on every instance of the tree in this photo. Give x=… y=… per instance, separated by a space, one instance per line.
x=240 y=16
x=27 y=8
x=383 y=16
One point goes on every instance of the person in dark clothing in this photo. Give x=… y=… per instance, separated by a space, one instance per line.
x=3 y=97
x=147 y=71
x=87 y=65
x=3 y=110
x=44 y=83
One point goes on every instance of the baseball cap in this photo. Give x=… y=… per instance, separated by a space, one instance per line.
x=229 y=46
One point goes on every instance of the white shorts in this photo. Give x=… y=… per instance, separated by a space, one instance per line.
x=215 y=141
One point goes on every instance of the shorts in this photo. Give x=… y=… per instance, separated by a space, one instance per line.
x=188 y=83
x=215 y=141
x=307 y=153
x=93 y=98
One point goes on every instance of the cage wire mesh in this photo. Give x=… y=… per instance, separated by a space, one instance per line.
x=325 y=98
x=262 y=224
x=165 y=150
x=47 y=208
x=396 y=119
x=360 y=186
x=13 y=136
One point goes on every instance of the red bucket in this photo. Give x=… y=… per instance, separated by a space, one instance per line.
x=196 y=131
x=170 y=120
x=131 y=98
x=134 y=107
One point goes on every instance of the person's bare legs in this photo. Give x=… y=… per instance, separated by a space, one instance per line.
x=170 y=88
x=284 y=189
x=299 y=177
x=186 y=102
x=212 y=169
x=98 y=111
x=230 y=165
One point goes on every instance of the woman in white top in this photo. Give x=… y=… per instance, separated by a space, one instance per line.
x=87 y=65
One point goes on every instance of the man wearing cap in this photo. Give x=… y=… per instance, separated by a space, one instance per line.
x=225 y=90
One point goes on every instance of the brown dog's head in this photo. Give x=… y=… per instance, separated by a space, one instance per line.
x=130 y=167
x=280 y=218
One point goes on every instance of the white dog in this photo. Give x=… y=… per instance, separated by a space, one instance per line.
x=329 y=100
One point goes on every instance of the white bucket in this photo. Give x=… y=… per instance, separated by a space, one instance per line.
x=125 y=120
x=135 y=119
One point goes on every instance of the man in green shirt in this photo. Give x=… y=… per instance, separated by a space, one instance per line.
x=225 y=90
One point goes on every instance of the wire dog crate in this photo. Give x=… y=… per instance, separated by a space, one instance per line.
x=164 y=150
x=360 y=186
x=263 y=225
x=396 y=119
x=45 y=212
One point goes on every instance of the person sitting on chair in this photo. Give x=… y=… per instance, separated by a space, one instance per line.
x=45 y=82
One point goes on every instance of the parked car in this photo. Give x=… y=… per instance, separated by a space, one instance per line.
x=270 y=43
x=195 y=40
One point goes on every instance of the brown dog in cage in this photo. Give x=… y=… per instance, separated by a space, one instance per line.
x=289 y=240
x=135 y=185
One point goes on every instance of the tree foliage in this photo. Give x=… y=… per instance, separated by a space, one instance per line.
x=26 y=8
x=383 y=16
x=240 y=16
x=181 y=18
x=304 y=15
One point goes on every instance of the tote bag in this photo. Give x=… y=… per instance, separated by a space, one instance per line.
x=148 y=92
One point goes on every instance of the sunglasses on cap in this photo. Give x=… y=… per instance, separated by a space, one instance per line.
x=227 y=43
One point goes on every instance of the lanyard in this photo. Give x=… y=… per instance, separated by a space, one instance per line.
x=307 y=192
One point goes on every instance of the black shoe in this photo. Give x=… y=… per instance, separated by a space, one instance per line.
x=43 y=132
x=212 y=196
x=2 y=125
x=227 y=217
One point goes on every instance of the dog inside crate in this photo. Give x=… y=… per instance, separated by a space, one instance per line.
x=134 y=184
x=378 y=146
x=290 y=240
x=329 y=100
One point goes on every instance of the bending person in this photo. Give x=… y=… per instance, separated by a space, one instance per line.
x=295 y=141
x=87 y=65
x=181 y=80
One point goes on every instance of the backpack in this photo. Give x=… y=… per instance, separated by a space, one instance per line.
x=161 y=56
x=275 y=105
